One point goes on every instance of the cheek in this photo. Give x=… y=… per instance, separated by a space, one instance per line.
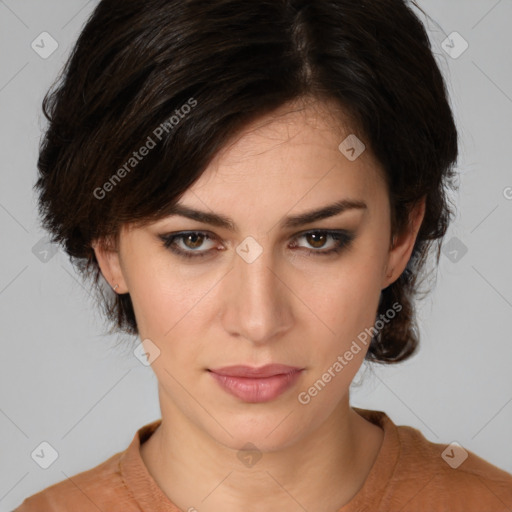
x=150 y=297
x=154 y=297
x=346 y=301
x=170 y=304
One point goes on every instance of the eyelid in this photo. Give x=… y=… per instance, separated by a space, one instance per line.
x=343 y=239
x=177 y=235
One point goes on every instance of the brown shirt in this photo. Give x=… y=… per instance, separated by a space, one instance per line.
x=409 y=474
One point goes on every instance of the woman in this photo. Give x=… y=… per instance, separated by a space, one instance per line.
x=260 y=184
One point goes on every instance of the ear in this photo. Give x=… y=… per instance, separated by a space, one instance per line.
x=107 y=254
x=400 y=252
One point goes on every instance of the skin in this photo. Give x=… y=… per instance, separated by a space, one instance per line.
x=285 y=307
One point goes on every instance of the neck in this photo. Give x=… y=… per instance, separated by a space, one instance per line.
x=323 y=471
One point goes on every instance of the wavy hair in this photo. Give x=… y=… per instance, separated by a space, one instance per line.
x=136 y=65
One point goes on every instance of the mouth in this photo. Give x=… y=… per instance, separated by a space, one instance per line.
x=254 y=385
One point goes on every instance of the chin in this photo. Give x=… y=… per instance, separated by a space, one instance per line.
x=268 y=431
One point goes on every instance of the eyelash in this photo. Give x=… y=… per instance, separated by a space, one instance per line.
x=343 y=238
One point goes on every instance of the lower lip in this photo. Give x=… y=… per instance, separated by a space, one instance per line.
x=257 y=390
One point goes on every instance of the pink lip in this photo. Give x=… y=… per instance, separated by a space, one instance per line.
x=269 y=370
x=256 y=384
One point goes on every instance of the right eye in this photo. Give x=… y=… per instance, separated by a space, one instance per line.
x=192 y=239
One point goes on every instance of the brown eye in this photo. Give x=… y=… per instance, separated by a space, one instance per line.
x=187 y=244
x=193 y=240
x=191 y=244
x=316 y=239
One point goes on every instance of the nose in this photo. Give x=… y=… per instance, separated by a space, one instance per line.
x=258 y=302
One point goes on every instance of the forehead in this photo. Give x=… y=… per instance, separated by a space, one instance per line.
x=295 y=148
x=284 y=165
x=316 y=124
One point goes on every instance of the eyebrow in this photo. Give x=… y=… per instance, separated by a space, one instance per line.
x=293 y=221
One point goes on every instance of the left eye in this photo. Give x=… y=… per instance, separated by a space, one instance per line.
x=317 y=239
x=193 y=240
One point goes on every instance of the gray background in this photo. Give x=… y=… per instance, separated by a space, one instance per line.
x=63 y=382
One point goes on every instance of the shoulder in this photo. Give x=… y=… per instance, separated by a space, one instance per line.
x=99 y=488
x=415 y=474
x=448 y=474
x=103 y=487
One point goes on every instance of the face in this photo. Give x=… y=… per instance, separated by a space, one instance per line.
x=264 y=291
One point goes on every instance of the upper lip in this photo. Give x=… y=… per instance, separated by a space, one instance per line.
x=260 y=372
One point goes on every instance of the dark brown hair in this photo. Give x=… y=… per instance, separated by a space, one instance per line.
x=189 y=74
